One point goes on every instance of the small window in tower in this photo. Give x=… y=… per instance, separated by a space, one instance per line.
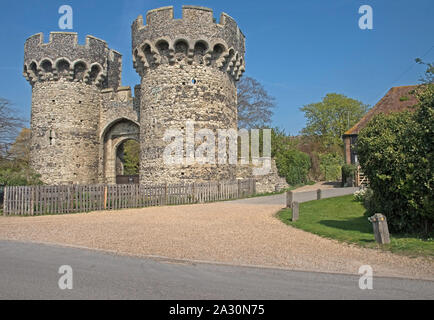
x=52 y=137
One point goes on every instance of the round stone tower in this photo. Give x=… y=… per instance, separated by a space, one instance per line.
x=189 y=68
x=66 y=80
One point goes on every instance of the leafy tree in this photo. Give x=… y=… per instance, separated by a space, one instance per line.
x=20 y=149
x=14 y=169
x=281 y=142
x=330 y=118
x=131 y=157
x=255 y=105
x=14 y=156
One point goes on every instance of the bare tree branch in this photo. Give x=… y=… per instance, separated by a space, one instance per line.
x=254 y=104
x=10 y=126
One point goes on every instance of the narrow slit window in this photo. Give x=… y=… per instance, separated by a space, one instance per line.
x=52 y=137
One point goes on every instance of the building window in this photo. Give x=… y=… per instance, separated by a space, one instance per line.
x=52 y=137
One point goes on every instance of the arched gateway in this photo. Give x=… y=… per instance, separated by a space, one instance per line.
x=112 y=138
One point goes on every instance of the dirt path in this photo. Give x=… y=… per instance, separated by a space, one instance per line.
x=229 y=232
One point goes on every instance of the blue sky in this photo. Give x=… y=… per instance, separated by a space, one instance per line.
x=299 y=50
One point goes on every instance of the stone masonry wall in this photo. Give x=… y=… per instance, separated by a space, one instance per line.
x=118 y=122
x=189 y=67
x=66 y=80
x=270 y=182
x=169 y=99
x=64 y=144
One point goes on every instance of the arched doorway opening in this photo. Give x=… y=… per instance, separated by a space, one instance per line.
x=114 y=137
x=127 y=162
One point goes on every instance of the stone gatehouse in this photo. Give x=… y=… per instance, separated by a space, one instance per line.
x=81 y=113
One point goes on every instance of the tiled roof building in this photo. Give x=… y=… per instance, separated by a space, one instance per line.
x=397 y=99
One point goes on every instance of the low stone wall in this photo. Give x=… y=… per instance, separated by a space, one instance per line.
x=270 y=182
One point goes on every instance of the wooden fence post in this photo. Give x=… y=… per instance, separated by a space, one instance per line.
x=165 y=193
x=318 y=194
x=239 y=188
x=5 y=201
x=32 y=201
x=105 y=197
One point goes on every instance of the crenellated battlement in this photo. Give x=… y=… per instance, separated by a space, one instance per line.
x=82 y=115
x=63 y=57
x=195 y=38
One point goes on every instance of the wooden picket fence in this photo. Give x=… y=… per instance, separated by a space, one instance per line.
x=39 y=200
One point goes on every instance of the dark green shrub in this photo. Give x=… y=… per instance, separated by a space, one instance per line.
x=294 y=165
x=369 y=203
x=17 y=175
x=330 y=165
x=396 y=153
x=348 y=172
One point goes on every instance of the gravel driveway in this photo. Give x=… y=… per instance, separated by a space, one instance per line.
x=244 y=232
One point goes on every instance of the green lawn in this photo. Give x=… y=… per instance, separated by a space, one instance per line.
x=344 y=219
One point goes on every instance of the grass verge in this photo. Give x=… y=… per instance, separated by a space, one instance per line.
x=344 y=219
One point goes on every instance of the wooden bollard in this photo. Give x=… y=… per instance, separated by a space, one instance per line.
x=381 y=230
x=295 y=211
x=318 y=194
x=289 y=198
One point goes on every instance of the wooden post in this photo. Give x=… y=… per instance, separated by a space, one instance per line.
x=289 y=198
x=318 y=194
x=381 y=230
x=32 y=201
x=295 y=211
x=165 y=193
x=5 y=201
x=239 y=188
x=105 y=197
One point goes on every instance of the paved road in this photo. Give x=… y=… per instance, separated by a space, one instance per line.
x=298 y=196
x=30 y=271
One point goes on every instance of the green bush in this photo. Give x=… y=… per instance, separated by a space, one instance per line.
x=330 y=165
x=294 y=165
x=396 y=153
x=348 y=172
x=369 y=202
x=17 y=175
